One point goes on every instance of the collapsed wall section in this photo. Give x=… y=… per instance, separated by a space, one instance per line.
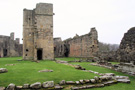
x=9 y=47
x=79 y=46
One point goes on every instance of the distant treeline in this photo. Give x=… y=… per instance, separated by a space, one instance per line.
x=105 y=47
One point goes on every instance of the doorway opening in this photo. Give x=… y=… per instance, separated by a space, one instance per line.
x=39 y=54
x=5 y=52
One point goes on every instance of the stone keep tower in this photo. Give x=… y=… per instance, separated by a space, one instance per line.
x=38 y=32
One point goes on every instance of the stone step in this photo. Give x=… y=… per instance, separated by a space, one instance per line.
x=123 y=80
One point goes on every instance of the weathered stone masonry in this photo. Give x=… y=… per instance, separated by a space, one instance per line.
x=126 y=51
x=10 y=47
x=38 y=32
x=79 y=46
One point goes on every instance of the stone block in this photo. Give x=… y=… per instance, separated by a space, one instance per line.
x=75 y=88
x=63 y=82
x=83 y=87
x=11 y=87
x=90 y=86
x=96 y=78
x=99 y=85
x=70 y=82
x=2 y=88
x=46 y=70
x=26 y=86
x=86 y=81
x=58 y=87
x=19 y=87
x=77 y=82
x=36 y=85
x=93 y=81
x=123 y=80
x=3 y=70
x=81 y=81
x=109 y=74
x=48 y=84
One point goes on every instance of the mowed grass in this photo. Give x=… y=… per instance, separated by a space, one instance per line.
x=119 y=86
x=27 y=72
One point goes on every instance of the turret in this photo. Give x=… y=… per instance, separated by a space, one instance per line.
x=12 y=36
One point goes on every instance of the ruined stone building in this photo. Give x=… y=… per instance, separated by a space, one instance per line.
x=10 y=47
x=38 y=32
x=79 y=46
x=126 y=51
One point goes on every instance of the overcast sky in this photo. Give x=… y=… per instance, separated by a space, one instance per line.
x=112 y=18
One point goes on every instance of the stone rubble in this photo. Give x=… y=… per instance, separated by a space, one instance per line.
x=81 y=81
x=10 y=64
x=46 y=70
x=48 y=84
x=77 y=82
x=105 y=80
x=36 y=85
x=86 y=81
x=70 y=82
x=123 y=80
x=11 y=87
x=118 y=67
x=3 y=70
x=26 y=86
x=92 y=81
x=19 y=87
x=63 y=82
x=87 y=87
x=79 y=67
x=57 y=87
x=2 y=88
x=60 y=61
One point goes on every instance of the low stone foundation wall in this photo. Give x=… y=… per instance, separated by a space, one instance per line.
x=96 y=82
x=127 y=68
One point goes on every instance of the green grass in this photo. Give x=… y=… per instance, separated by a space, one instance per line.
x=27 y=72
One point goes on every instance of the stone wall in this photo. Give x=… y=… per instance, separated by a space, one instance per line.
x=79 y=46
x=61 y=49
x=38 y=32
x=9 y=47
x=126 y=51
x=110 y=56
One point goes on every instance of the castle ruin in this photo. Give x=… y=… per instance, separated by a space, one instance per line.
x=78 y=46
x=126 y=51
x=10 y=47
x=38 y=32
x=38 y=42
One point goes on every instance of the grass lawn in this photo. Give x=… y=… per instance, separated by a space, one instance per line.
x=27 y=72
